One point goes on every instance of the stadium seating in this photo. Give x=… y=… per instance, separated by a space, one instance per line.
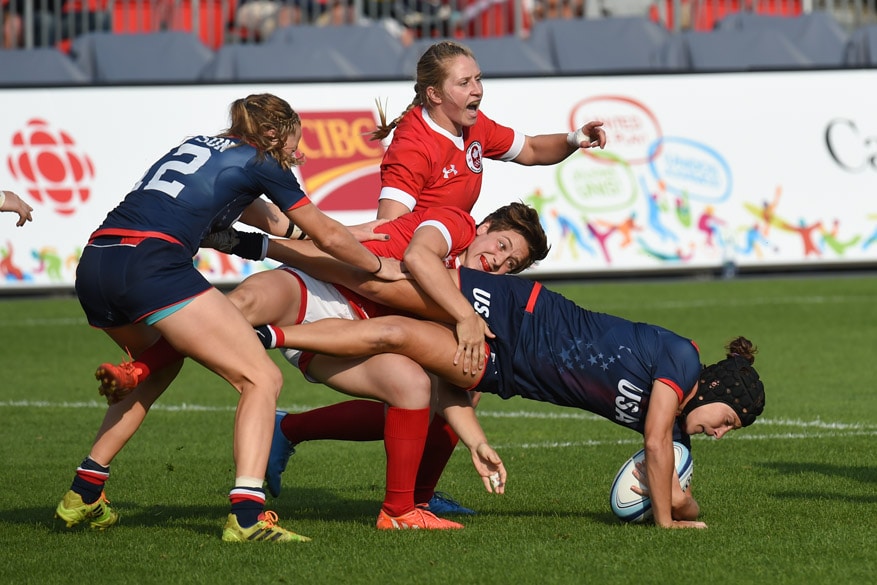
x=817 y=35
x=861 y=51
x=277 y=62
x=39 y=66
x=498 y=57
x=158 y=57
x=617 y=45
x=741 y=50
x=369 y=48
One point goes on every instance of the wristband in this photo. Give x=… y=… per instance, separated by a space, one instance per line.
x=2 y=198
x=380 y=264
x=251 y=246
x=293 y=232
x=576 y=138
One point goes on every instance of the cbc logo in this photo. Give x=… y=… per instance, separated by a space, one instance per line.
x=54 y=170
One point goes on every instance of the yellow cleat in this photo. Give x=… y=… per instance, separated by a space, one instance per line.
x=266 y=529
x=73 y=511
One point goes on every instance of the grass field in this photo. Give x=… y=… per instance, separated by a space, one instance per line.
x=792 y=499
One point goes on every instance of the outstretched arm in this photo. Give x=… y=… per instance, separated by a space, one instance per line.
x=660 y=463
x=455 y=405
x=549 y=149
x=332 y=237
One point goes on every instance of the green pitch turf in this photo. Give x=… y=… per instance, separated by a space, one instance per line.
x=790 y=500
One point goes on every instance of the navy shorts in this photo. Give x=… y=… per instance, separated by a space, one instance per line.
x=122 y=283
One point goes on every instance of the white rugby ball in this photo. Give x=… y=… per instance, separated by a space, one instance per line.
x=632 y=507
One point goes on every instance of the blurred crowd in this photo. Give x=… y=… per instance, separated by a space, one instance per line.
x=28 y=23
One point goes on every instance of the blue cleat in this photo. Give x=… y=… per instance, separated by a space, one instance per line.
x=281 y=451
x=442 y=503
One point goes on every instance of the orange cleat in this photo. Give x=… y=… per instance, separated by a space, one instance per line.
x=117 y=381
x=416 y=519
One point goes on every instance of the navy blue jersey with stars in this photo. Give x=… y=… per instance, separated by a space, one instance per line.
x=203 y=186
x=547 y=348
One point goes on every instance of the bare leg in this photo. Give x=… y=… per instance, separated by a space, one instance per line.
x=122 y=419
x=272 y=296
x=408 y=392
x=430 y=344
x=266 y=297
x=212 y=331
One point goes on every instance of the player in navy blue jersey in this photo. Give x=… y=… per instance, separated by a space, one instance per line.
x=547 y=348
x=137 y=282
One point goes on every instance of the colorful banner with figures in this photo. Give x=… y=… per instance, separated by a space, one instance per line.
x=760 y=170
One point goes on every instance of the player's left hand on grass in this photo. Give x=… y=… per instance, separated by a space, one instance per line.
x=489 y=466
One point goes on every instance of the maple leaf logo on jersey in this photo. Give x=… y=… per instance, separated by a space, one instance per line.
x=473 y=157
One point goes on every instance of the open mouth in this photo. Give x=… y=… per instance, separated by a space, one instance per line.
x=484 y=264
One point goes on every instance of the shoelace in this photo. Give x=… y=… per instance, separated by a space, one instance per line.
x=269 y=517
x=129 y=365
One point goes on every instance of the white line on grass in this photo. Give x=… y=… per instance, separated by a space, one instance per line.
x=746 y=302
x=849 y=428
x=681 y=304
x=639 y=441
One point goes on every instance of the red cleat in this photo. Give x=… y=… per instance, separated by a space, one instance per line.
x=416 y=519
x=117 y=381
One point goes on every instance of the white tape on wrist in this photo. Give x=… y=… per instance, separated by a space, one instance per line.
x=576 y=138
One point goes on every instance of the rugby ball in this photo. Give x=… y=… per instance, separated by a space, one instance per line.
x=632 y=507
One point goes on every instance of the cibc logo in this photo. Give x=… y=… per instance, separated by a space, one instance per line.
x=53 y=169
x=343 y=166
x=854 y=149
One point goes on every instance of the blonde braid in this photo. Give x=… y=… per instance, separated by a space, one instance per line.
x=383 y=129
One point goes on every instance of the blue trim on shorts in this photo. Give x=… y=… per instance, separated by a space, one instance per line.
x=123 y=284
x=157 y=316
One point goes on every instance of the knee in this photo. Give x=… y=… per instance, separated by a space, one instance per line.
x=273 y=381
x=246 y=300
x=408 y=387
x=262 y=380
x=391 y=337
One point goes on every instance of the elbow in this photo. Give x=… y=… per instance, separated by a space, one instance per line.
x=414 y=257
x=657 y=444
x=332 y=239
